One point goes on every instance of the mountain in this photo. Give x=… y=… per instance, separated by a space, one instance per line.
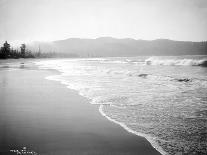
x=108 y=46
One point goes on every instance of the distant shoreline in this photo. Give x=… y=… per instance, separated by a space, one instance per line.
x=104 y=47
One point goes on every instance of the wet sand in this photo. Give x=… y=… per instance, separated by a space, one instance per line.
x=50 y=119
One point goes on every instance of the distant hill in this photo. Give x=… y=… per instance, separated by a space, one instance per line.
x=108 y=46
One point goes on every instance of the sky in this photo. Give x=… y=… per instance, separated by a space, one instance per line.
x=48 y=20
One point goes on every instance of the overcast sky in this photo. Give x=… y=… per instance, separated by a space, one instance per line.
x=46 y=20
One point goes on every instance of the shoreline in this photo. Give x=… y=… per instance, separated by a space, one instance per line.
x=147 y=137
x=150 y=139
x=50 y=118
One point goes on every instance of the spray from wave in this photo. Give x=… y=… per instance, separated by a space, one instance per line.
x=176 y=62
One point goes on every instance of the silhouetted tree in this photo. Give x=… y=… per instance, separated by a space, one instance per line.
x=23 y=49
x=5 y=50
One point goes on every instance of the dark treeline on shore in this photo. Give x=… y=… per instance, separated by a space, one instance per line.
x=7 y=52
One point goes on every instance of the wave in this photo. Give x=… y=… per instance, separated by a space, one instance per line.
x=176 y=62
x=153 y=77
x=185 y=80
x=151 y=139
x=101 y=86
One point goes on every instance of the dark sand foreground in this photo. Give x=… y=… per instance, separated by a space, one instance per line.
x=50 y=119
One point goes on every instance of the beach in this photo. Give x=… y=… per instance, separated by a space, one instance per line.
x=50 y=119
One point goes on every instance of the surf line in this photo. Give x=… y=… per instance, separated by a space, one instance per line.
x=150 y=139
x=147 y=137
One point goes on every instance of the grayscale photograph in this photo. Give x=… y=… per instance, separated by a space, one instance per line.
x=103 y=77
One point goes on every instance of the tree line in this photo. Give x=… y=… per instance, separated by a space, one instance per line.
x=7 y=52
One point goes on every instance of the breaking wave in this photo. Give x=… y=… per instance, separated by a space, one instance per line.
x=176 y=62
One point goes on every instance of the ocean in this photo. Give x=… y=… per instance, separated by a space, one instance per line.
x=162 y=98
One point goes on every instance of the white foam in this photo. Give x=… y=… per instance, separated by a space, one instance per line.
x=94 y=101
x=175 y=62
x=104 y=84
x=151 y=139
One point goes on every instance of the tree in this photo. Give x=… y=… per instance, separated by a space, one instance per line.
x=23 y=49
x=5 y=50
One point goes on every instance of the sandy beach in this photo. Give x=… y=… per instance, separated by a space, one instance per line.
x=50 y=119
